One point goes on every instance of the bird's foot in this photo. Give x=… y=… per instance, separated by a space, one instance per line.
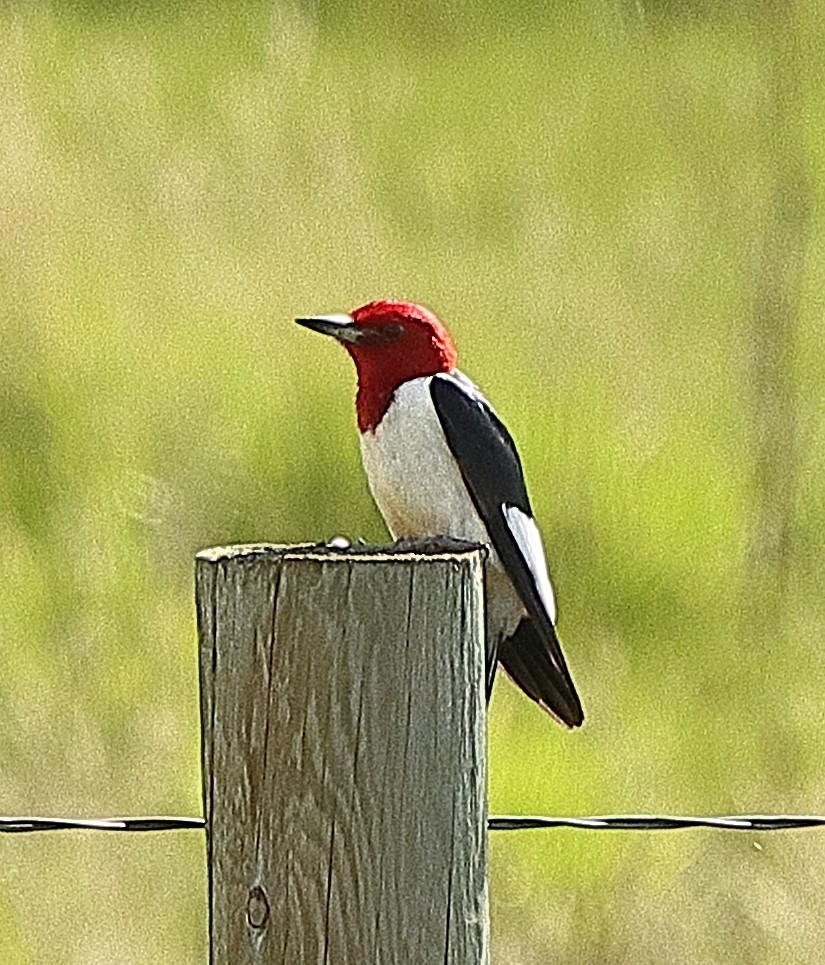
x=432 y=544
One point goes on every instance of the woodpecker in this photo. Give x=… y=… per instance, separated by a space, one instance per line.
x=439 y=461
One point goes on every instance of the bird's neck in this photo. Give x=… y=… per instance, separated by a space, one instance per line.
x=372 y=401
x=376 y=391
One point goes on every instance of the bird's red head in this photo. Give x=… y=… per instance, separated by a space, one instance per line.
x=390 y=343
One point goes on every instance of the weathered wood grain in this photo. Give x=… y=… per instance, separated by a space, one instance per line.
x=342 y=702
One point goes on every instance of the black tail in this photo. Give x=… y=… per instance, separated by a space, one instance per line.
x=526 y=659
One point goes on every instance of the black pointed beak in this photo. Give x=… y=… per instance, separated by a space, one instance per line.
x=341 y=327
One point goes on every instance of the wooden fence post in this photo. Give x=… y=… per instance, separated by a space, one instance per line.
x=344 y=766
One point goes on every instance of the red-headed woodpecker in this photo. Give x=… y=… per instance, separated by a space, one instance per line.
x=439 y=462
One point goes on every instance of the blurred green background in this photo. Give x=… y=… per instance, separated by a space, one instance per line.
x=615 y=205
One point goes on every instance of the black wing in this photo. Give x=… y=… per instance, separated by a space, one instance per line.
x=492 y=472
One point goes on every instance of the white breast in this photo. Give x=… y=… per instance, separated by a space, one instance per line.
x=412 y=474
x=417 y=486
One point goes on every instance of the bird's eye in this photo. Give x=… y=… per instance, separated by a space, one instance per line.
x=382 y=334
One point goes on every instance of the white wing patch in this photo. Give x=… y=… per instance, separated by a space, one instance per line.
x=528 y=538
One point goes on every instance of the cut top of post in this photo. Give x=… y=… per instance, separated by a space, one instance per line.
x=436 y=547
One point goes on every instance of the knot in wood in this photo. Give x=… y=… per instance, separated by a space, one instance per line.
x=257 y=908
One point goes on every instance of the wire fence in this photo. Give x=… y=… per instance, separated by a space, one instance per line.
x=666 y=822
x=505 y=822
x=18 y=825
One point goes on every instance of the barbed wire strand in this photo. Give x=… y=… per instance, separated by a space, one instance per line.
x=505 y=822
x=17 y=825
x=649 y=822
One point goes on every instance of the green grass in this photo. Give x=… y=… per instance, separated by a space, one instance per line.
x=582 y=195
